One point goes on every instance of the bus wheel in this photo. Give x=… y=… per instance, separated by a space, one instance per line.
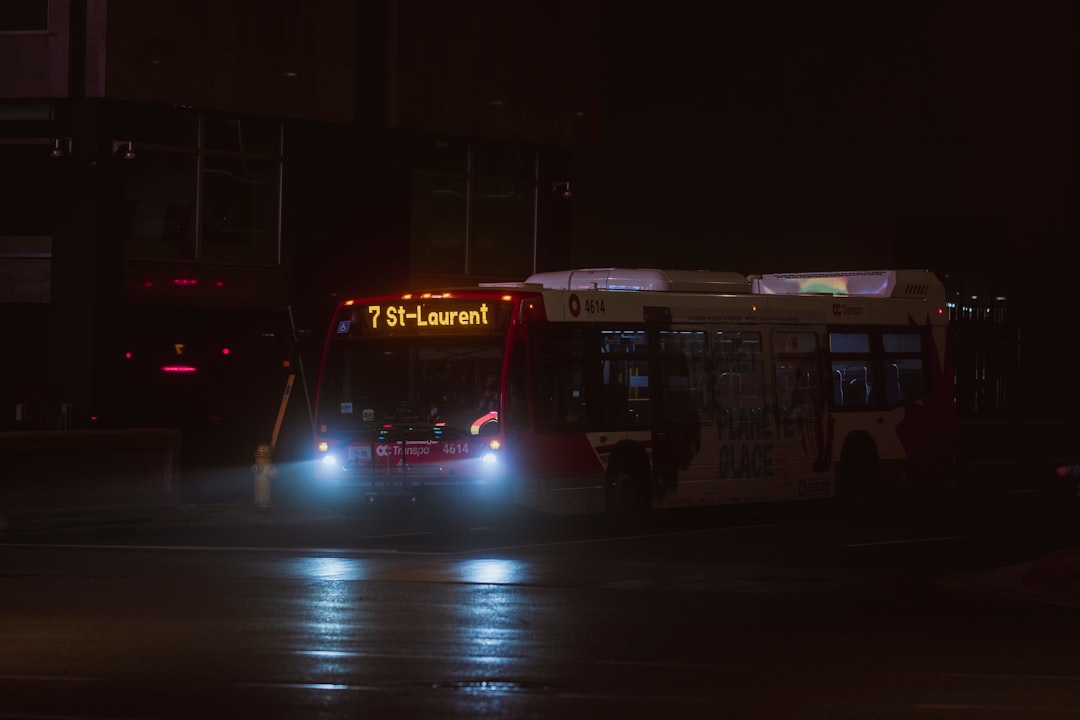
x=857 y=476
x=628 y=499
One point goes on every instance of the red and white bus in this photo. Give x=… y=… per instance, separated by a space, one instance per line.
x=623 y=390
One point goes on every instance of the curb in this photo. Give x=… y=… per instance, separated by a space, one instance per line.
x=66 y=518
x=1056 y=577
x=228 y=514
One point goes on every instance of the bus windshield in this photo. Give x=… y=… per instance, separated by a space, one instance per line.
x=418 y=381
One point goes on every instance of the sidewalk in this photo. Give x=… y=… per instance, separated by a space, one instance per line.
x=1056 y=577
x=231 y=514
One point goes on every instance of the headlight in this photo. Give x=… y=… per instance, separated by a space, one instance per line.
x=329 y=460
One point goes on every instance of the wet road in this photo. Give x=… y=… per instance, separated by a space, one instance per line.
x=303 y=613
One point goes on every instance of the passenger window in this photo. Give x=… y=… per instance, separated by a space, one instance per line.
x=624 y=372
x=560 y=388
x=740 y=369
x=798 y=388
x=685 y=374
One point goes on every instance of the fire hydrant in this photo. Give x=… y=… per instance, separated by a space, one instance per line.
x=264 y=470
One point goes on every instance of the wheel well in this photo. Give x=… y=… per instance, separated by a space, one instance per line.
x=629 y=455
x=857 y=477
x=859 y=446
x=628 y=495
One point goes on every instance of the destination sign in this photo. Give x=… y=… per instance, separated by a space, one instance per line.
x=422 y=317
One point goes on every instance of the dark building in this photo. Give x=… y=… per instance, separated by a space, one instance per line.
x=189 y=186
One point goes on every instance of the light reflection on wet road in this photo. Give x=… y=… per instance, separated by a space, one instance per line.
x=891 y=617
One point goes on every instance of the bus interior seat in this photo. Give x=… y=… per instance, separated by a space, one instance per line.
x=856 y=386
x=893 y=391
x=729 y=389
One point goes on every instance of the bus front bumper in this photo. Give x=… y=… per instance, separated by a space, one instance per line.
x=429 y=495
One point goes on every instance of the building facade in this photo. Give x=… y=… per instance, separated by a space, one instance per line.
x=189 y=186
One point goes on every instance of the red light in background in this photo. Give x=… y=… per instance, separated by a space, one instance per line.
x=219 y=283
x=178 y=369
x=127 y=355
x=225 y=351
x=148 y=283
x=185 y=282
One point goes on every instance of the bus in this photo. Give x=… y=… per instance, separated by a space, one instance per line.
x=620 y=391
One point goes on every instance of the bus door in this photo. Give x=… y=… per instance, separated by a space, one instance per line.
x=800 y=417
x=741 y=442
x=682 y=408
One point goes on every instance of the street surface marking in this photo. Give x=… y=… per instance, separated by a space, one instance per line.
x=909 y=541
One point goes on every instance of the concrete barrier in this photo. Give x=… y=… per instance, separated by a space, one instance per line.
x=88 y=468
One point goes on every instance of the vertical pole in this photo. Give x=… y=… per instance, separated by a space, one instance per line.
x=281 y=410
x=300 y=362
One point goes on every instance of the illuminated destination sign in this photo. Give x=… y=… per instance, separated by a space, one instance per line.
x=421 y=317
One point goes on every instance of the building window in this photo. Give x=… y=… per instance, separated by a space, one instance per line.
x=438 y=225
x=474 y=209
x=160 y=205
x=501 y=231
x=26 y=186
x=240 y=210
x=24 y=15
x=201 y=188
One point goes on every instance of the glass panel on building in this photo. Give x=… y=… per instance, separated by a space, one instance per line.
x=502 y=230
x=24 y=15
x=240 y=210
x=510 y=162
x=159 y=210
x=443 y=155
x=26 y=189
x=438 y=225
x=243 y=135
x=157 y=126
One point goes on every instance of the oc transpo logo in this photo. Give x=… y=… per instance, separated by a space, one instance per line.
x=395 y=450
x=841 y=309
x=575 y=305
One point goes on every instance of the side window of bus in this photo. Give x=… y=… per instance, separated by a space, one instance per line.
x=880 y=369
x=852 y=369
x=905 y=377
x=561 y=399
x=684 y=371
x=740 y=369
x=624 y=378
x=798 y=388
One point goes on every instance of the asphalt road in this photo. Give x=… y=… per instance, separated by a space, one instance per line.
x=219 y=611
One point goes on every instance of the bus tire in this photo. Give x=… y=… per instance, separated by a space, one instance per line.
x=857 y=476
x=628 y=497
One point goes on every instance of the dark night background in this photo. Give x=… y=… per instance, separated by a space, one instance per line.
x=731 y=136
